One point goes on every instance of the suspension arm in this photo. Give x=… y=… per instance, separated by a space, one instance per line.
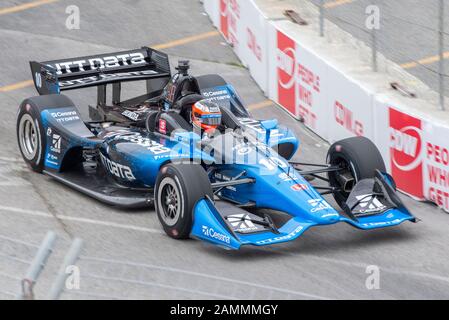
x=316 y=171
x=223 y=184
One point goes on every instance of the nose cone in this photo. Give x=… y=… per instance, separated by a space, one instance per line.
x=322 y=211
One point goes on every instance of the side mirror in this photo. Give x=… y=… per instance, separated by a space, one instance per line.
x=269 y=124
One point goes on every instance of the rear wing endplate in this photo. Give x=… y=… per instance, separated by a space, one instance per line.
x=141 y=64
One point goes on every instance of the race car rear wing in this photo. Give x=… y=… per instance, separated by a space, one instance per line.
x=82 y=72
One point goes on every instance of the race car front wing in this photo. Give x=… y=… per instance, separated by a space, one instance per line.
x=226 y=225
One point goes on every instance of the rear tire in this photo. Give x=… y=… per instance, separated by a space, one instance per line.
x=359 y=157
x=178 y=188
x=31 y=136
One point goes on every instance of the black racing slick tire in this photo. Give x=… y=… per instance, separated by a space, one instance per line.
x=178 y=188
x=30 y=130
x=31 y=136
x=359 y=159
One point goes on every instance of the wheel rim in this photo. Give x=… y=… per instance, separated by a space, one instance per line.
x=169 y=201
x=28 y=137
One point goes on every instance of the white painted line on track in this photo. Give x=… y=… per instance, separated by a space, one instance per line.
x=160 y=285
x=108 y=224
x=79 y=219
x=157 y=231
x=364 y=265
x=13 y=183
x=208 y=276
x=9 y=159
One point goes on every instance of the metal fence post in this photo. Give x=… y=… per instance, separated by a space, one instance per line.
x=321 y=18
x=441 y=53
x=36 y=266
x=70 y=259
x=374 y=48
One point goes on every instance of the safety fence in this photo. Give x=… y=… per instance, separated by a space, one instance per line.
x=71 y=274
x=414 y=38
x=15 y=257
x=22 y=264
x=289 y=65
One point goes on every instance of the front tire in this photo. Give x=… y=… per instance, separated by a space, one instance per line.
x=359 y=158
x=178 y=188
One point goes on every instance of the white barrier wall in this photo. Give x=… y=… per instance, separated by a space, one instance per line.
x=351 y=114
x=243 y=26
x=253 y=48
x=298 y=81
x=416 y=150
x=399 y=138
x=212 y=8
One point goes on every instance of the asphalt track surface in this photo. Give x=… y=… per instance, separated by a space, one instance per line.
x=125 y=253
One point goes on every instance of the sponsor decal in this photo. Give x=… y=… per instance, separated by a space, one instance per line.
x=318 y=205
x=381 y=223
x=286 y=71
x=131 y=115
x=105 y=77
x=116 y=169
x=272 y=163
x=437 y=174
x=217 y=95
x=211 y=233
x=308 y=78
x=224 y=18
x=38 y=79
x=369 y=203
x=299 y=187
x=268 y=164
x=253 y=44
x=406 y=152
x=345 y=118
x=327 y=215
x=56 y=143
x=308 y=85
x=308 y=116
x=286 y=177
x=282 y=238
x=65 y=116
x=151 y=145
x=229 y=19
x=222 y=177
x=298 y=82
x=94 y=63
x=52 y=159
x=162 y=126
x=241 y=223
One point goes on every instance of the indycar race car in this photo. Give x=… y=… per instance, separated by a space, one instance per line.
x=190 y=148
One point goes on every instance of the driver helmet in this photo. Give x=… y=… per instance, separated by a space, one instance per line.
x=206 y=115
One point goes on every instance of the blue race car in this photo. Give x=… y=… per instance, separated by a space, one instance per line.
x=189 y=147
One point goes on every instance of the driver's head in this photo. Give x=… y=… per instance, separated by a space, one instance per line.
x=206 y=115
